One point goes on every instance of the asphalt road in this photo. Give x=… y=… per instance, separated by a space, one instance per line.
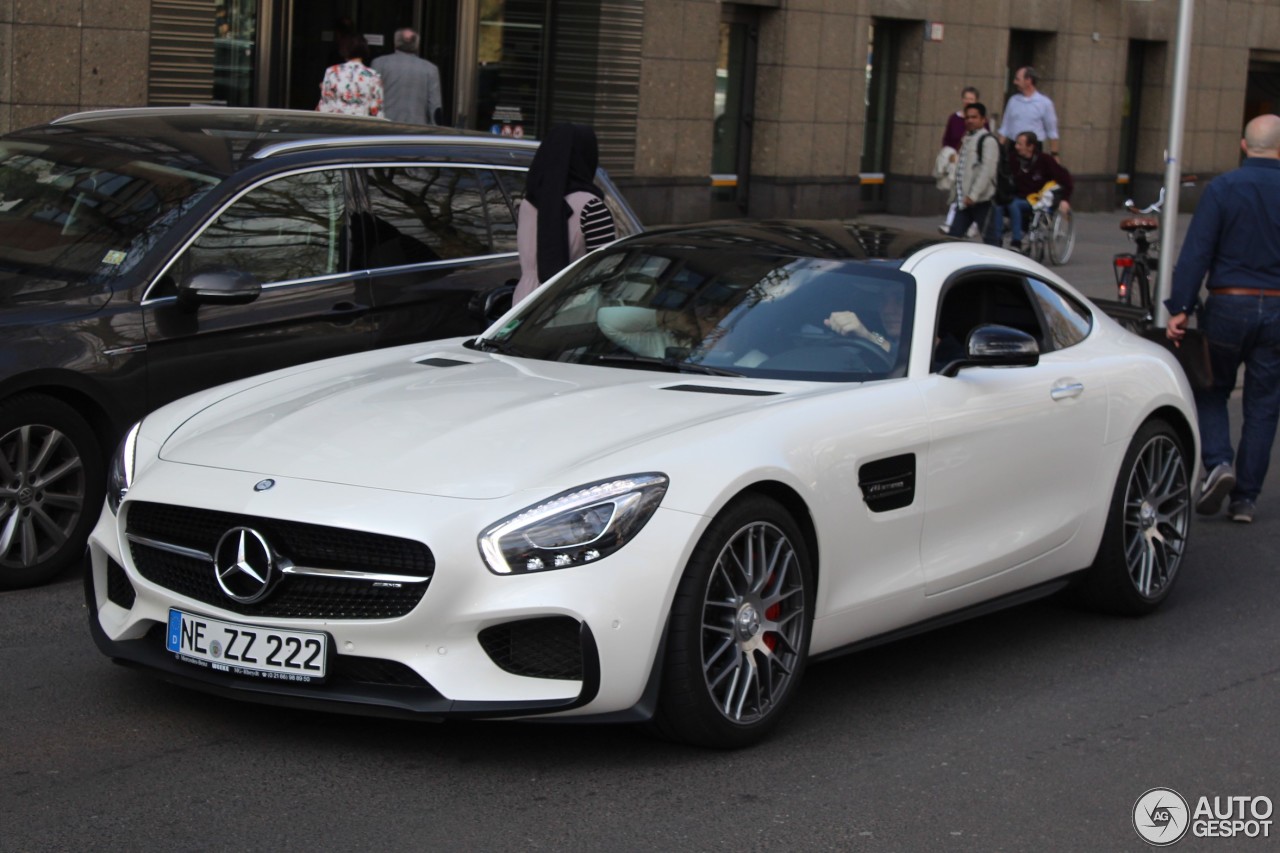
x=1036 y=728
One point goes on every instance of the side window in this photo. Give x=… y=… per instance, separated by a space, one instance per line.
x=418 y=215
x=1066 y=321
x=981 y=298
x=290 y=228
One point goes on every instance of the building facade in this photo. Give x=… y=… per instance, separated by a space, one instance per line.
x=704 y=108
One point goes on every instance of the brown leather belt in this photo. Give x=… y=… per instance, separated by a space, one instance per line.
x=1243 y=291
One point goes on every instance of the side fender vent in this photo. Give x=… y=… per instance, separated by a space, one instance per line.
x=888 y=483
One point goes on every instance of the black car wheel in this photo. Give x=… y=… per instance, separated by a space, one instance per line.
x=51 y=488
x=1147 y=526
x=739 y=630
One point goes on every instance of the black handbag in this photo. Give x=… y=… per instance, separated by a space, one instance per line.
x=1192 y=355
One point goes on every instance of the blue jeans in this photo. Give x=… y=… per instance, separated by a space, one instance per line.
x=1241 y=330
x=981 y=214
x=1019 y=213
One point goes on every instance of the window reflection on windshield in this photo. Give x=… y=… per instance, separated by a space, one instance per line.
x=749 y=313
x=73 y=219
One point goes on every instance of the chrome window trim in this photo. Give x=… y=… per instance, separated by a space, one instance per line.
x=148 y=299
x=426 y=265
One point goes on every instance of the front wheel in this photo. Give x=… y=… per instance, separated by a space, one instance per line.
x=1146 y=532
x=739 y=630
x=1062 y=237
x=51 y=487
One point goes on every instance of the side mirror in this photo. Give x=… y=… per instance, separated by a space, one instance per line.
x=492 y=304
x=218 y=287
x=996 y=346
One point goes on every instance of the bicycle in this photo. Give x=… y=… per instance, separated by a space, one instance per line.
x=1052 y=231
x=1135 y=270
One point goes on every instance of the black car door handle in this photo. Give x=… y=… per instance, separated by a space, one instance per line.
x=345 y=313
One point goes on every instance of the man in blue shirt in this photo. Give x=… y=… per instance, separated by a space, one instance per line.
x=1234 y=239
x=1030 y=111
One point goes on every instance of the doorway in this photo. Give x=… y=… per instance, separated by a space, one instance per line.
x=734 y=112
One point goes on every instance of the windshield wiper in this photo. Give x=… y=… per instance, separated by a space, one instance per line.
x=667 y=364
x=492 y=345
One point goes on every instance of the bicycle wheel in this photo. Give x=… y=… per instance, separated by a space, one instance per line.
x=1037 y=237
x=1062 y=237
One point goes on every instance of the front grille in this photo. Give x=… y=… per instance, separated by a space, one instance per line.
x=546 y=647
x=119 y=590
x=295 y=596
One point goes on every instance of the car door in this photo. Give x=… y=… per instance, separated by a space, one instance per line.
x=1013 y=450
x=292 y=234
x=439 y=241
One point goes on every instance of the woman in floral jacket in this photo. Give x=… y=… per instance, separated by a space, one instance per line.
x=352 y=88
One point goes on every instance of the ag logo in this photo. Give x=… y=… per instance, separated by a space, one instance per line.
x=1161 y=816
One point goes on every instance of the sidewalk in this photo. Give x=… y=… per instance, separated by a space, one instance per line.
x=1098 y=240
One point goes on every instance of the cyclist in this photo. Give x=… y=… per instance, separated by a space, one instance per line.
x=1033 y=171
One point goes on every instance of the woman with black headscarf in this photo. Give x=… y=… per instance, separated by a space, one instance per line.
x=563 y=215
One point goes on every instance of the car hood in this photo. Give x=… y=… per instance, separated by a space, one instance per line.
x=450 y=423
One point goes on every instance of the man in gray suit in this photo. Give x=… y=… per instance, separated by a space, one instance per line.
x=410 y=84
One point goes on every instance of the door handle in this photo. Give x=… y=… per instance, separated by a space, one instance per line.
x=1065 y=390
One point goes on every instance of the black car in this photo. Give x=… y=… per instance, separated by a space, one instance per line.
x=146 y=254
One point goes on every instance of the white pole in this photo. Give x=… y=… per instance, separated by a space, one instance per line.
x=1173 y=161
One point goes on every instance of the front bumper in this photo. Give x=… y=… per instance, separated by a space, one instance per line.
x=430 y=663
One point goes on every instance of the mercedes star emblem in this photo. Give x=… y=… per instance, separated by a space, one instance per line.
x=263 y=485
x=244 y=565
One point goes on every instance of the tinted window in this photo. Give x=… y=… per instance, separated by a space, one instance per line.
x=290 y=228
x=417 y=215
x=677 y=308
x=1067 y=322
x=61 y=217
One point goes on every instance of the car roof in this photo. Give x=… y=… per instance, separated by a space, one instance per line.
x=826 y=239
x=219 y=141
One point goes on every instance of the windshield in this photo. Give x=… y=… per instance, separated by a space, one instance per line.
x=702 y=310
x=65 y=216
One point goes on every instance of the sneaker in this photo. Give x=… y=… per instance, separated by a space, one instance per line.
x=1015 y=245
x=1216 y=486
x=974 y=233
x=1241 y=511
x=944 y=229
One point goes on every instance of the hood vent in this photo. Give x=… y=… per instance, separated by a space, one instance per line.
x=443 y=362
x=715 y=389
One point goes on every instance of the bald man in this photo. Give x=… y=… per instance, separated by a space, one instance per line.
x=1234 y=240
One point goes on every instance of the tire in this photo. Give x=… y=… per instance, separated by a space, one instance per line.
x=738 y=636
x=1062 y=237
x=51 y=488
x=1147 y=525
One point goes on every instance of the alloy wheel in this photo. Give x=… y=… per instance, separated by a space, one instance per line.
x=42 y=494
x=753 y=623
x=1157 y=512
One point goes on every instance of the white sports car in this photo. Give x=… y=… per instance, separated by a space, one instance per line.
x=692 y=462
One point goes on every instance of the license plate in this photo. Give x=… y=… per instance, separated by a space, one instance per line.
x=247 y=649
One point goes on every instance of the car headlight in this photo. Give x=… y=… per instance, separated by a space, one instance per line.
x=579 y=526
x=120 y=477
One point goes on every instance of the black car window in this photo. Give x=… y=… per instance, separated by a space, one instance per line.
x=290 y=228
x=1066 y=321
x=978 y=299
x=63 y=219
x=418 y=215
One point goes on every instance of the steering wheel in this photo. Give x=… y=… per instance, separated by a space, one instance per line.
x=828 y=337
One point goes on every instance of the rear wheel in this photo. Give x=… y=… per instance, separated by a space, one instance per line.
x=51 y=488
x=1062 y=237
x=1146 y=532
x=739 y=630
